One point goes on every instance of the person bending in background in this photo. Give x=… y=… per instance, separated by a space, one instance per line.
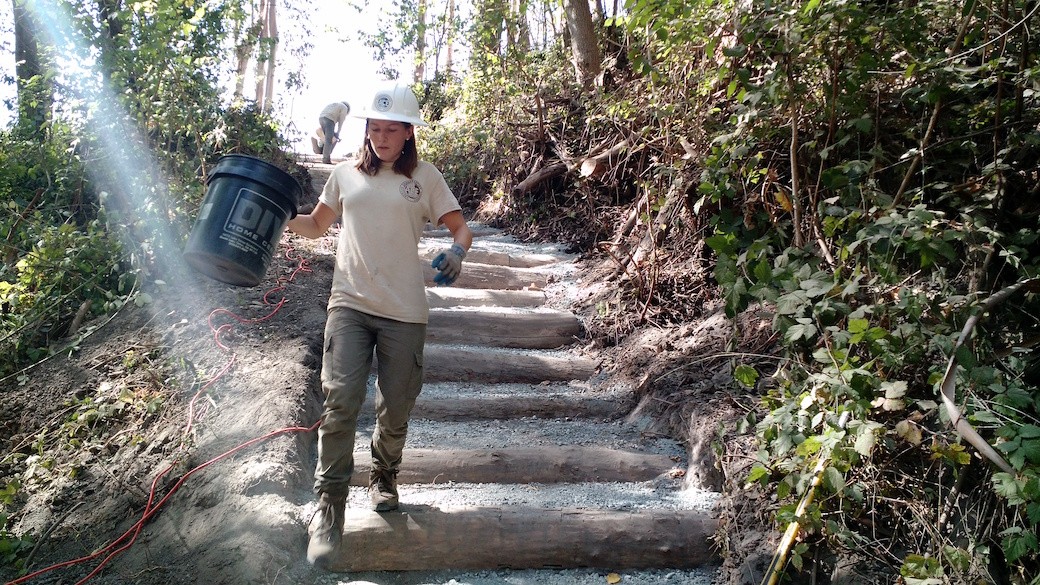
x=378 y=302
x=330 y=120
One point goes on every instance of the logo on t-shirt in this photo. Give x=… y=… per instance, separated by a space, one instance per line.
x=411 y=190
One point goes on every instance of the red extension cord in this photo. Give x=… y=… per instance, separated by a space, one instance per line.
x=129 y=537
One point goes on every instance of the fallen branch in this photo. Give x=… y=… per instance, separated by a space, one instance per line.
x=47 y=533
x=776 y=567
x=77 y=321
x=656 y=231
x=796 y=191
x=949 y=382
x=594 y=166
x=626 y=228
x=553 y=170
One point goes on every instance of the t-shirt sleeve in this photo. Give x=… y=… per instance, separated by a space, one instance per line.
x=442 y=200
x=330 y=194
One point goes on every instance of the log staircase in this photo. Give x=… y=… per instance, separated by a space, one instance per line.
x=566 y=476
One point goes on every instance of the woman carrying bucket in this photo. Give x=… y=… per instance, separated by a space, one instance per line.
x=378 y=301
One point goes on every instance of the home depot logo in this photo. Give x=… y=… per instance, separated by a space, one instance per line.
x=254 y=222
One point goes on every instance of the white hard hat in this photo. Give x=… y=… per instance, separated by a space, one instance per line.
x=394 y=101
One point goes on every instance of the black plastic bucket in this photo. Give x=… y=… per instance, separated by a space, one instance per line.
x=248 y=202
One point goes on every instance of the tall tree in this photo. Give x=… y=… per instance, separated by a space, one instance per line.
x=418 y=32
x=109 y=36
x=420 y=42
x=32 y=70
x=255 y=36
x=488 y=27
x=584 y=46
x=449 y=35
x=245 y=41
x=265 y=60
x=519 y=30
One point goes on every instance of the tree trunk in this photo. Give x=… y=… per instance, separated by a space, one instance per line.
x=245 y=43
x=267 y=47
x=272 y=36
x=490 y=28
x=449 y=58
x=519 y=31
x=584 y=46
x=242 y=56
x=420 y=42
x=110 y=30
x=258 y=71
x=35 y=92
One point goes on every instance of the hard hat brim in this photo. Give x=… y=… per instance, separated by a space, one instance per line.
x=373 y=115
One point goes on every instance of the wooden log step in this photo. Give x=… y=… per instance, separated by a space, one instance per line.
x=428 y=538
x=457 y=409
x=566 y=464
x=496 y=258
x=461 y=364
x=487 y=276
x=516 y=261
x=544 y=329
x=443 y=297
x=479 y=230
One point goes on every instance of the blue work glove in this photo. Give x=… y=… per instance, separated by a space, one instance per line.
x=449 y=264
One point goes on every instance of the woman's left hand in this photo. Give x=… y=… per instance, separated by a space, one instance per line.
x=449 y=264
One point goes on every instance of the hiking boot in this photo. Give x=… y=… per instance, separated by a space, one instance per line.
x=326 y=529
x=382 y=487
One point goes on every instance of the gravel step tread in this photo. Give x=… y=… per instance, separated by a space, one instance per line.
x=483 y=253
x=662 y=494
x=549 y=407
x=449 y=401
x=700 y=576
x=527 y=432
x=508 y=390
x=451 y=362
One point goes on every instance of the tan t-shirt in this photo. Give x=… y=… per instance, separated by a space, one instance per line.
x=336 y=111
x=378 y=270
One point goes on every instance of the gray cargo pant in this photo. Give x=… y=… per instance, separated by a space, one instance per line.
x=328 y=128
x=350 y=337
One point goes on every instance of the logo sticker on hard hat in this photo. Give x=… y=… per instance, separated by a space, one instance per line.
x=383 y=102
x=411 y=190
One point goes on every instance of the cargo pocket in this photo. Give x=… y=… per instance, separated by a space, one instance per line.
x=415 y=383
x=327 y=360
